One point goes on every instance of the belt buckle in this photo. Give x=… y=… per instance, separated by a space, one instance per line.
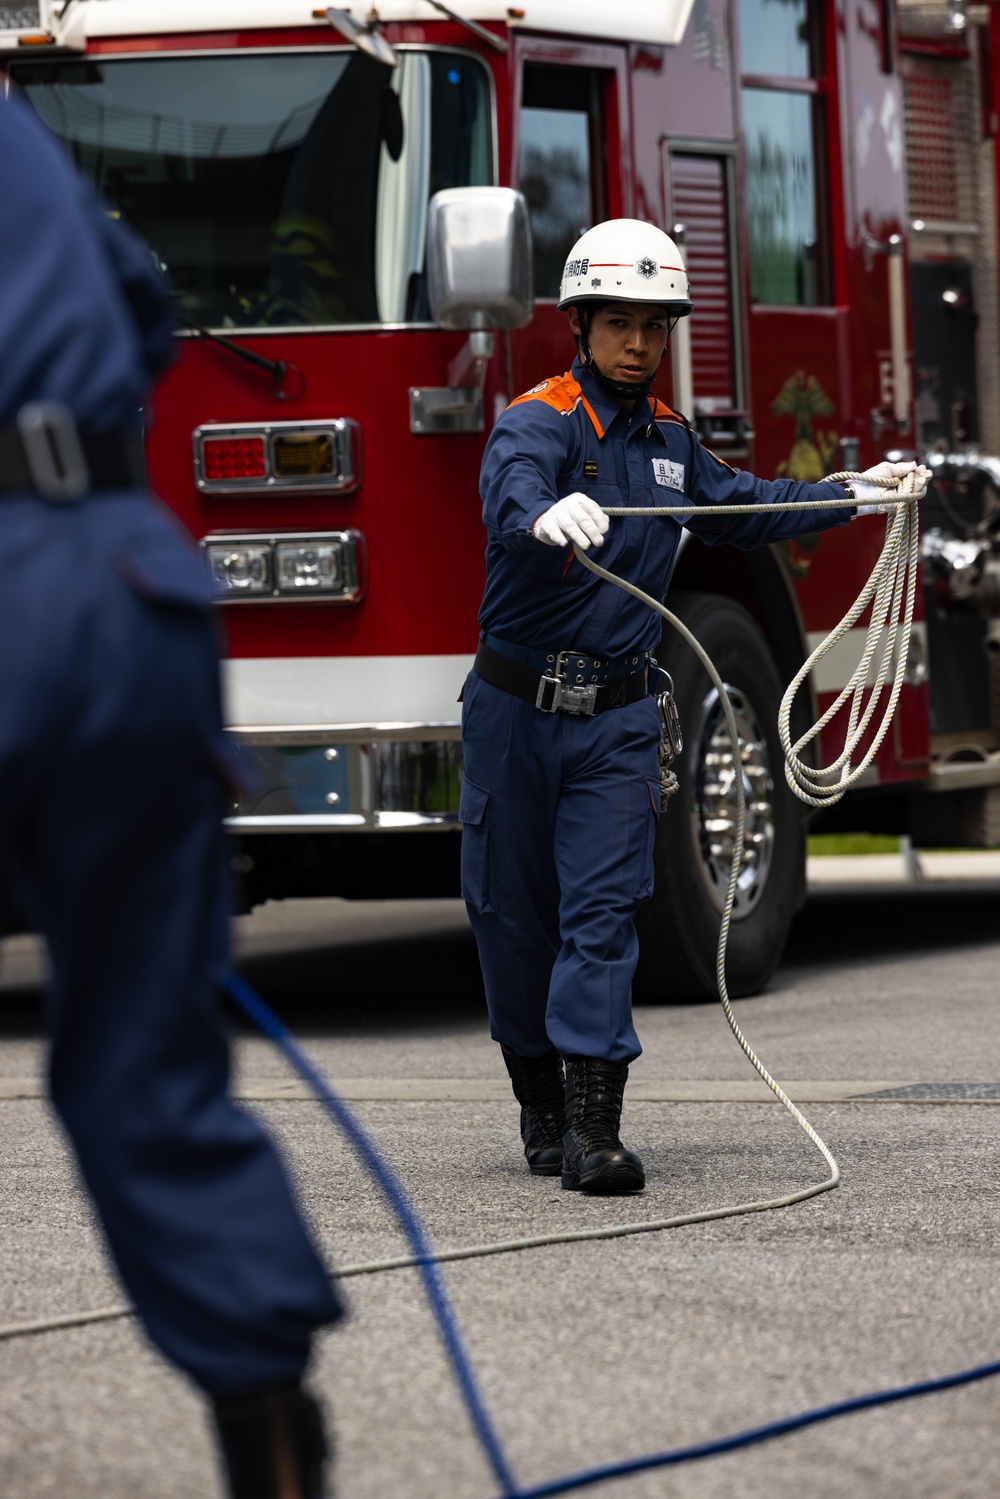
x=555 y=695
x=580 y=700
x=549 y=694
x=550 y=687
x=52 y=450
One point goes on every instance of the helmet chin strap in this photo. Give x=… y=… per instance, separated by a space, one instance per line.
x=620 y=389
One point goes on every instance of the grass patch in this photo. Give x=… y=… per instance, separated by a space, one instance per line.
x=852 y=843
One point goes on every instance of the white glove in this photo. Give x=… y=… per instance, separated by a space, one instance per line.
x=868 y=494
x=575 y=518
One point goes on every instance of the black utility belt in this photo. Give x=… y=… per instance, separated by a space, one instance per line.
x=551 y=693
x=46 y=453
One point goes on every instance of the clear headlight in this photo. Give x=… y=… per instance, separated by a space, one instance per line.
x=240 y=568
x=327 y=567
x=304 y=568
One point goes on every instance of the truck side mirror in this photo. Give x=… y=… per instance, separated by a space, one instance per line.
x=479 y=258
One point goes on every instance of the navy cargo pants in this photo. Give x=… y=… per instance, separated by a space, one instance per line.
x=558 y=817
x=112 y=789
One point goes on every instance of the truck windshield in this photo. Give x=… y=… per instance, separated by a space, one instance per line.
x=279 y=189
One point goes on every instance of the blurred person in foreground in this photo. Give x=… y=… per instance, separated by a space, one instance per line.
x=113 y=783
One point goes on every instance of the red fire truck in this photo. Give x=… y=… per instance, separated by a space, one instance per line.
x=831 y=171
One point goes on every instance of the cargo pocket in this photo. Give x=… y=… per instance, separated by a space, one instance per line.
x=474 y=815
x=646 y=810
x=162 y=566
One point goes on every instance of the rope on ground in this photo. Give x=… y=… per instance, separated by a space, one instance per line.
x=756 y=1434
x=71 y=1319
x=886 y=587
x=899 y=551
x=406 y=1215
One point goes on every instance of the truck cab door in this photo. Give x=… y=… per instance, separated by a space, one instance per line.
x=572 y=161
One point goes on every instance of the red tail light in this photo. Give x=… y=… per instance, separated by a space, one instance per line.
x=233 y=458
x=295 y=456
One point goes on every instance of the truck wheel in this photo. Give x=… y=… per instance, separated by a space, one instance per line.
x=679 y=927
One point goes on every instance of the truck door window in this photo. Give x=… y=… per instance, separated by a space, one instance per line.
x=278 y=189
x=562 y=163
x=783 y=95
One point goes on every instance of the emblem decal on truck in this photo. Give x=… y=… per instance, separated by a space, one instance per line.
x=813 y=453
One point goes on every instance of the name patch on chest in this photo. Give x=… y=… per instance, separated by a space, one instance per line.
x=670 y=475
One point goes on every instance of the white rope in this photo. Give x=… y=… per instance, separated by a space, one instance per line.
x=891 y=589
x=734 y=873
x=894 y=574
x=891 y=585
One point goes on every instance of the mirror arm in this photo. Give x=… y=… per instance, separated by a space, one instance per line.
x=469 y=366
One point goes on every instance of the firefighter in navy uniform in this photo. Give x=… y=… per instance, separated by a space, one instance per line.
x=560 y=797
x=112 y=790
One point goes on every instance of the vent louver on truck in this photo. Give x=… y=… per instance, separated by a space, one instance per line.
x=699 y=197
x=699 y=203
x=941 y=154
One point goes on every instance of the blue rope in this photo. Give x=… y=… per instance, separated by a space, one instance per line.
x=755 y=1434
x=266 y=1021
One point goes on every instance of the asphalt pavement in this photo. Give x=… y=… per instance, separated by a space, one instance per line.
x=882 y=1023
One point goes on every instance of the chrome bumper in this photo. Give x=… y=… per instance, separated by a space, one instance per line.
x=352 y=778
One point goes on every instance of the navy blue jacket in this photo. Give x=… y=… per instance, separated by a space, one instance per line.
x=85 y=316
x=86 y=320
x=567 y=435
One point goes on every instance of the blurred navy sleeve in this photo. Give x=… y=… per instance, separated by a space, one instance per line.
x=85 y=316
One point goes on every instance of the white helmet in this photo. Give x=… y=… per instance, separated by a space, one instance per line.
x=626 y=260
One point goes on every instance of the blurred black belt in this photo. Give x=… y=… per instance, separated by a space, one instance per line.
x=46 y=453
x=550 y=692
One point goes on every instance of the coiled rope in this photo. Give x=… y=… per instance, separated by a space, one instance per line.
x=891 y=591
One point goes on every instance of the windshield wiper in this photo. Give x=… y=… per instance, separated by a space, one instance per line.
x=496 y=42
x=369 y=38
x=276 y=368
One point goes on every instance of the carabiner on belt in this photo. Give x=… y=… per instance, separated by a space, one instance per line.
x=671 y=736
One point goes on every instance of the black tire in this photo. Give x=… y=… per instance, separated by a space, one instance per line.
x=679 y=927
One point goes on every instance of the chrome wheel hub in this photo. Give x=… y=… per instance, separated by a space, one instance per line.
x=715 y=808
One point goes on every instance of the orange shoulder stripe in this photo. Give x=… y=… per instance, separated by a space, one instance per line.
x=563 y=393
x=663 y=413
x=723 y=461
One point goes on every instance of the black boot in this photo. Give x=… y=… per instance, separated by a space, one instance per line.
x=594 y=1159
x=273 y=1444
x=538 y=1087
